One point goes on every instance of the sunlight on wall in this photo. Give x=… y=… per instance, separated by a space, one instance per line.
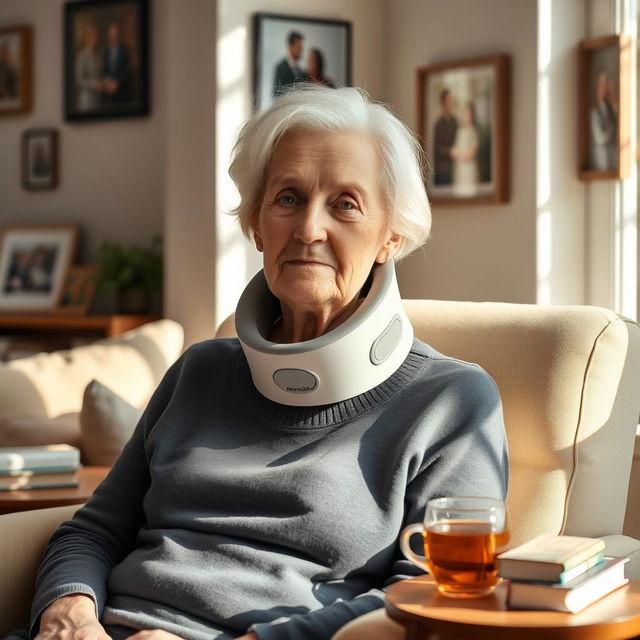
x=544 y=240
x=233 y=264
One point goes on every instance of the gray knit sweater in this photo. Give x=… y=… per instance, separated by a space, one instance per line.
x=228 y=512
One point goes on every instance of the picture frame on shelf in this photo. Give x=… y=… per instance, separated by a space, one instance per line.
x=76 y=294
x=604 y=118
x=464 y=122
x=16 y=69
x=33 y=264
x=106 y=59
x=40 y=159
x=290 y=49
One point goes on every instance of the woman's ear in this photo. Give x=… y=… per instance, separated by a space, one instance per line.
x=255 y=233
x=389 y=249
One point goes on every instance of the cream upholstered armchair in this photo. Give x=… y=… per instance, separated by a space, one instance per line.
x=569 y=379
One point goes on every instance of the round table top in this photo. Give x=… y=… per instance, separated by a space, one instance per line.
x=416 y=602
x=24 y=500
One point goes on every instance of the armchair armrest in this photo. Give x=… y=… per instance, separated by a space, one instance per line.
x=24 y=536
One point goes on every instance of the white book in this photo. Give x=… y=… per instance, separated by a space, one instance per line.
x=571 y=596
x=48 y=457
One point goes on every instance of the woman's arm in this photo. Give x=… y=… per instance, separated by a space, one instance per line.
x=82 y=551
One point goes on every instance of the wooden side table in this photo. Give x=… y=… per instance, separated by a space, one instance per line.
x=417 y=604
x=88 y=477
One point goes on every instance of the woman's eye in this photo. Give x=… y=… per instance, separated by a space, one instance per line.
x=347 y=205
x=286 y=199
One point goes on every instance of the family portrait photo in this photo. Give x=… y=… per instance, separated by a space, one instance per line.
x=15 y=70
x=106 y=59
x=290 y=49
x=462 y=122
x=33 y=263
x=604 y=120
x=39 y=158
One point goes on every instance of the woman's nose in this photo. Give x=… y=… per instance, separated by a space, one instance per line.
x=311 y=223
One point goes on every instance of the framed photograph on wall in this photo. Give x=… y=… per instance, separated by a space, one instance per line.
x=290 y=49
x=15 y=69
x=463 y=121
x=33 y=263
x=77 y=291
x=604 y=129
x=106 y=59
x=40 y=159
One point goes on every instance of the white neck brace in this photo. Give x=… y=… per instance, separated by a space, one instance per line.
x=355 y=357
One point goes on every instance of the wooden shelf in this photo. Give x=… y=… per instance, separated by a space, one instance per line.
x=107 y=325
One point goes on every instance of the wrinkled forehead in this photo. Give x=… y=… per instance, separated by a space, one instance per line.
x=344 y=153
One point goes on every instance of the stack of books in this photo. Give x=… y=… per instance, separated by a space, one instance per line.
x=560 y=573
x=44 y=467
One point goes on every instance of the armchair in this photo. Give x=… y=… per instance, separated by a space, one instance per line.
x=569 y=383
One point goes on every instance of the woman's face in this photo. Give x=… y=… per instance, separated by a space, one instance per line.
x=322 y=222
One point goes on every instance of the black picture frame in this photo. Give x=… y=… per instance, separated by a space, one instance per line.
x=40 y=159
x=331 y=38
x=103 y=81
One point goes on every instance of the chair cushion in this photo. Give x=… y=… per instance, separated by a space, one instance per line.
x=25 y=431
x=106 y=423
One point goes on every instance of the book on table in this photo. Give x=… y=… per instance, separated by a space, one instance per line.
x=551 y=558
x=572 y=596
x=44 y=467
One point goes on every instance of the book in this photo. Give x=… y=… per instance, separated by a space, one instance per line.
x=572 y=596
x=53 y=457
x=36 y=480
x=547 y=557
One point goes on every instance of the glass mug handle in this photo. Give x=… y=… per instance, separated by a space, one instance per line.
x=409 y=553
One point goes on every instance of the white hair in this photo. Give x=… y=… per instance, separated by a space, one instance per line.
x=316 y=108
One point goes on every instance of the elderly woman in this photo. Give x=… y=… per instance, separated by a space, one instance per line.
x=230 y=514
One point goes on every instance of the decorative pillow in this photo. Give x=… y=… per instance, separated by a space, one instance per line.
x=106 y=424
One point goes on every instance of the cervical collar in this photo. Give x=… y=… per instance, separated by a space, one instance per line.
x=355 y=357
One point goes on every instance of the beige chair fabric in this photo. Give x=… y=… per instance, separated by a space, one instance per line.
x=23 y=537
x=568 y=378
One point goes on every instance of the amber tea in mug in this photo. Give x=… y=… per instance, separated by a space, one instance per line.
x=461 y=539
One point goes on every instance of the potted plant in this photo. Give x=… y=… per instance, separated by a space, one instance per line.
x=132 y=274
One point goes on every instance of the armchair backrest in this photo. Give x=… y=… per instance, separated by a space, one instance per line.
x=568 y=376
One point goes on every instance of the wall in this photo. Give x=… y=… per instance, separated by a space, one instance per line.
x=111 y=172
x=481 y=252
x=237 y=261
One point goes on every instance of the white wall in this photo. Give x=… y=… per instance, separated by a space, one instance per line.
x=189 y=37
x=476 y=252
x=111 y=171
x=237 y=261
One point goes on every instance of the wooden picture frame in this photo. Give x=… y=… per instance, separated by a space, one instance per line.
x=33 y=264
x=106 y=59
x=39 y=159
x=16 y=69
x=324 y=52
x=464 y=121
x=604 y=118
x=76 y=294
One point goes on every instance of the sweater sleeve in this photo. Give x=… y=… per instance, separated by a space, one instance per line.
x=82 y=551
x=459 y=451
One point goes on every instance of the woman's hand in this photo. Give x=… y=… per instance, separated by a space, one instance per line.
x=248 y=636
x=71 y=617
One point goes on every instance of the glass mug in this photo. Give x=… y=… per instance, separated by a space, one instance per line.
x=461 y=537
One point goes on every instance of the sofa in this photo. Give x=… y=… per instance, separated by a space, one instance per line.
x=87 y=396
